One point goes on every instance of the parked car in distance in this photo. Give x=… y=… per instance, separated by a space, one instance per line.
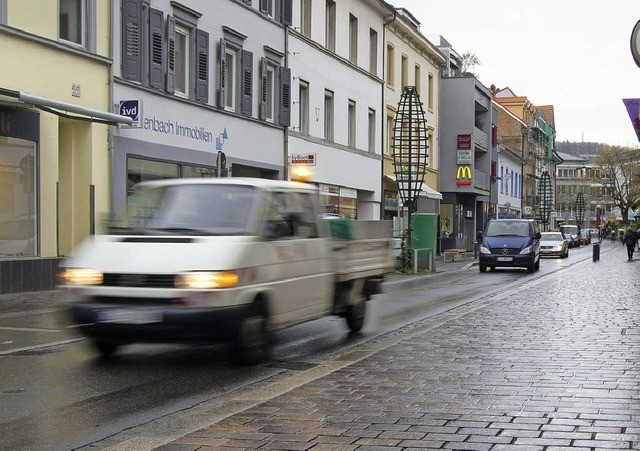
x=572 y=234
x=585 y=236
x=553 y=244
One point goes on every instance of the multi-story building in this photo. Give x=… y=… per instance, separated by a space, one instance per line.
x=411 y=60
x=54 y=144
x=208 y=86
x=536 y=144
x=335 y=53
x=467 y=159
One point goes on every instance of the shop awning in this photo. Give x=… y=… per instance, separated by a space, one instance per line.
x=427 y=191
x=63 y=108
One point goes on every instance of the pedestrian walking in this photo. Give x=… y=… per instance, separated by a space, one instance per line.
x=629 y=239
x=638 y=238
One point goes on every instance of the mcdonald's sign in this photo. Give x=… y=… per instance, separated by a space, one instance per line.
x=463 y=175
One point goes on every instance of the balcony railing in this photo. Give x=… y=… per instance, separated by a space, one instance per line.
x=480 y=139
x=481 y=180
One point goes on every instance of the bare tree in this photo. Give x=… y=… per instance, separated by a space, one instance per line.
x=467 y=62
x=618 y=172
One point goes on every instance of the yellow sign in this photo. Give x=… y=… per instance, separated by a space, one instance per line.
x=464 y=175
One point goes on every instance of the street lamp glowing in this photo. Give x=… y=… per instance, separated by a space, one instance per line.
x=301 y=172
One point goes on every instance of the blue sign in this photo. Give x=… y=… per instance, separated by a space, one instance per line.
x=132 y=109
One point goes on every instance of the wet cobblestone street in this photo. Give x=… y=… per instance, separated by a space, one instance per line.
x=554 y=365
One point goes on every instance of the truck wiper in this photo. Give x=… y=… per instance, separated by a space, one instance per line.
x=180 y=230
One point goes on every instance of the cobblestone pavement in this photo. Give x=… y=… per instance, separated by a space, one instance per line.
x=553 y=365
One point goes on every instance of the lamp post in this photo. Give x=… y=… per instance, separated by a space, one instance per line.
x=410 y=146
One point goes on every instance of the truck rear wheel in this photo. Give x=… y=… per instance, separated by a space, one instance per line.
x=355 y=314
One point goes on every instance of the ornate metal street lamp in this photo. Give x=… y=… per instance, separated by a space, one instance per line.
x=579 y=210
x=410 y=147
x=545 y=189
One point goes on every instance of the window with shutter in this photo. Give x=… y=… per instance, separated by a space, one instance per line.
x=285 y=96
x=156 y=76
x=202 y=83
x=247 y=83
x=131 y=43
x=171 y=55
x=263 y=88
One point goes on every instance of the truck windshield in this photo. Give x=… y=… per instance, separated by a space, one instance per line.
x=508 y=228
x=191 y=209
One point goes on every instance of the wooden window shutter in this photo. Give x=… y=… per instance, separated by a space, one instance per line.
x=285 y=96
x=131 y=40
x=222 y=72
x=263 y=88
x=156 y=30
x=202 y=82
x=171 y=55
x=247 y=82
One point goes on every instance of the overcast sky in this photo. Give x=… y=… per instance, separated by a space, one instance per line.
x=572 y=54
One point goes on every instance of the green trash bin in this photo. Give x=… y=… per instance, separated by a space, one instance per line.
x=424 y=235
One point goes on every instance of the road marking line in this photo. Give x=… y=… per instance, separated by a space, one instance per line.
x=42 y=346
x=29 y=329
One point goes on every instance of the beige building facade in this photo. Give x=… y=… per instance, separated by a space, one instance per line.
x=411 y=60
x=54 y=134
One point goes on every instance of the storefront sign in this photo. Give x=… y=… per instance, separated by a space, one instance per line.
x=132 y=109
x=633 y=109
x=307 y=159
x=464 y=141
x=464 y=157
x=463 y=175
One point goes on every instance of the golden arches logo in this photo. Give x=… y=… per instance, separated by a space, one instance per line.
x=464 y=175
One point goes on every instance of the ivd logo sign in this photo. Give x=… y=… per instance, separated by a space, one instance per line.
x=132 y=109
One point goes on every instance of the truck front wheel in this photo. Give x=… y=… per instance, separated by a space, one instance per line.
x=355 y=314
x=252 y=344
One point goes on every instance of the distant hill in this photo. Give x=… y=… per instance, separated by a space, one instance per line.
x=577 y=149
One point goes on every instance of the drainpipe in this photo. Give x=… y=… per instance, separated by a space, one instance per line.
x=286 y=129
x=383 y=109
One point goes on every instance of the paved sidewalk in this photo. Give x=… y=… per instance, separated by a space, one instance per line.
x=552 y=365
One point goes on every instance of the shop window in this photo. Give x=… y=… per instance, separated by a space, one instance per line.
x=18 y=198
x=339 y=200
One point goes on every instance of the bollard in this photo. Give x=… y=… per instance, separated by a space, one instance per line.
x=596 y=252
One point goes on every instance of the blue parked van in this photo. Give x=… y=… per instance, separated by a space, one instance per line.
x=510 y=243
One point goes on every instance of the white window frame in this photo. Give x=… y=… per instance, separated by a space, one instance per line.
x=305 y=17
x=271 y=93
x=351 y=124
x=371 y=144
x=83 y=23
x=182 y=60
x=231 y=88
x=373 y=51
x=330 y=25
x=353 y=39
x=328 y=116
x=303 y=106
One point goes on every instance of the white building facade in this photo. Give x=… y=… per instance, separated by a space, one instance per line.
x=335 y=52
x=207 y=85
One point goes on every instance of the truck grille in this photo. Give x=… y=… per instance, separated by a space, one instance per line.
x=139 y=280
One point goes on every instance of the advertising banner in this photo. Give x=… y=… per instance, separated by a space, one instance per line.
x=633 y=108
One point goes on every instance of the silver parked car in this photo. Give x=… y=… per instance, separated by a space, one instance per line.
x=554 y=244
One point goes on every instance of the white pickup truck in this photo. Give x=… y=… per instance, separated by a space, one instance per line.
x=220 y=260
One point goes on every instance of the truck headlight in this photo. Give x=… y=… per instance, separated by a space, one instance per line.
x=484 y=250
x=81 y=276
x=207 y=279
